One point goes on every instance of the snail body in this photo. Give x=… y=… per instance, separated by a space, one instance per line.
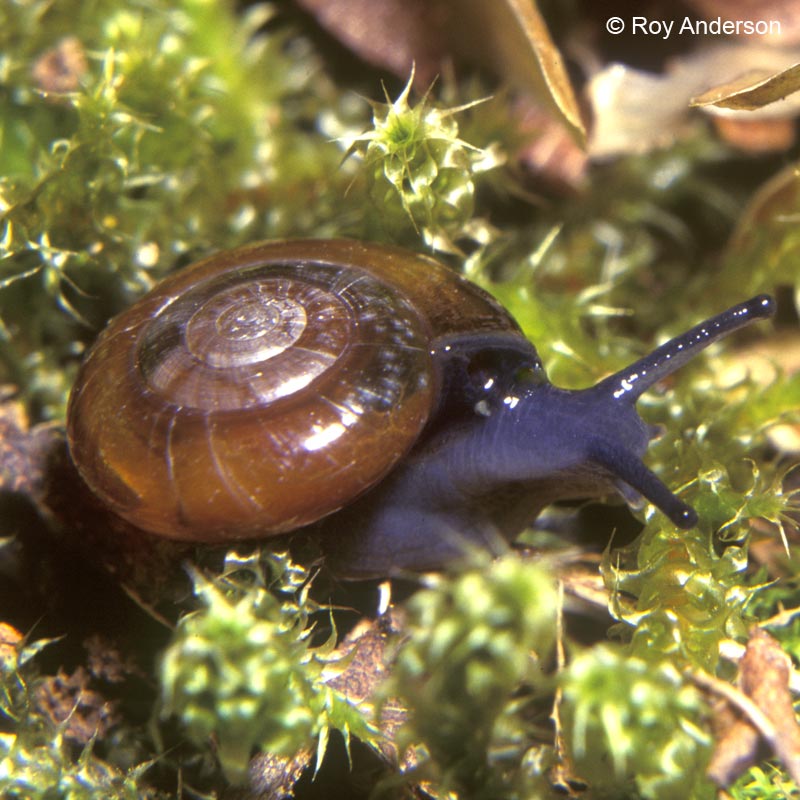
x=364 y=391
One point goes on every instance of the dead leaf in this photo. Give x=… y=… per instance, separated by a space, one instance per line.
x=636 y=111
x=550 y=64
x=273 y=777
x=547 y=152
x=107 y=662
x=752 y=90
x=395 y=34
x=364 y=654
x=512 y=39
x=367 y=668
x=765 y=671
x=562 y=774
x=509 y=38
x=83 y=714
x=60 y=69
x=24 y=451
x=760 y=711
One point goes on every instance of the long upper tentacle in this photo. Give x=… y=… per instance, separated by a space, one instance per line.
x=630 y=382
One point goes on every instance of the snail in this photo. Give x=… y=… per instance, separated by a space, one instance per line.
x=359 y=391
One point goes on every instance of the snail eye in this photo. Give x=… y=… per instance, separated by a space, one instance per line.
x=496 y=372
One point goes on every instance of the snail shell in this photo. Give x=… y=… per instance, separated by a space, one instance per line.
x=266 y=387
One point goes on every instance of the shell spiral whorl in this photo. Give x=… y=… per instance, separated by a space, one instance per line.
x=253 y=337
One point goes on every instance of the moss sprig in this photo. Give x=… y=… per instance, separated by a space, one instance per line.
x=473 y=639
x=32 y=768
x=37 y=762
x=767 y=782
x=683 y=592
x=242 y=668
x=421 y=174
x=634 y=721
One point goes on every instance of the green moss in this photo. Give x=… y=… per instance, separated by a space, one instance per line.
x=36 y=760
x=242 y=668
x=473 y=638
x=634 y=721
x=421 y=175
x=765 y=783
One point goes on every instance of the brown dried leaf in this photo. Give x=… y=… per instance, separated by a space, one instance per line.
x=512 y=39
x=106 y=661
x=636 y=111
x=366 y=648
x=752 y=90
x=273 y=777
x=765 y=671
x=761 y=711
x=547 y=152
x=550 y=64
x=395 y=34
x=364 y=653
x=24 y=451
x=68 y=700
x=737 y=745
x=60 y=69
x=562 y=774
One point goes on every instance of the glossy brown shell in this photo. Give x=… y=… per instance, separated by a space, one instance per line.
x=265 y=387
